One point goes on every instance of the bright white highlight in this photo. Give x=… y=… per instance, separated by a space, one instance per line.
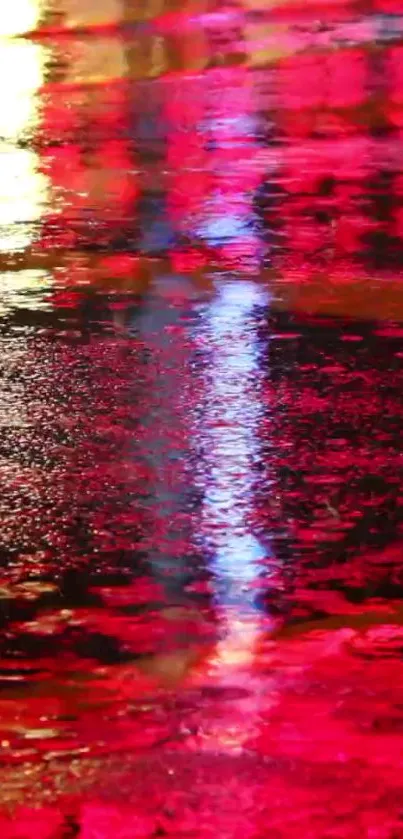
x=18 y=16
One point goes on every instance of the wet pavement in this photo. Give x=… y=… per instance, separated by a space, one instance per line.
x=201 y=323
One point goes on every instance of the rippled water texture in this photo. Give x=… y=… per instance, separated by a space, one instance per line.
x=201 y=322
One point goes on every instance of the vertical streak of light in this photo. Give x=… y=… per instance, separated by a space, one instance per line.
x=229 y=437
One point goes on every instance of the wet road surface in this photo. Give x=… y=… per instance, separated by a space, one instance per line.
x=201 y=322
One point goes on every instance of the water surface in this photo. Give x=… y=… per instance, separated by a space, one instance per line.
x=201 y=311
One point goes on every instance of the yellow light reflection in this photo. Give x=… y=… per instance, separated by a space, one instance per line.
x=93 y=62
x=18 y=16
x=22 y=197
x=27 y=289
x=91 y=12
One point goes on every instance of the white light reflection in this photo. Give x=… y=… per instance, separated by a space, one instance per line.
x=23 y=188
x=18 y=16
x=223 y=226
x=230 y=424
x=23 y=191
x=231 y=416
x=22 y=74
